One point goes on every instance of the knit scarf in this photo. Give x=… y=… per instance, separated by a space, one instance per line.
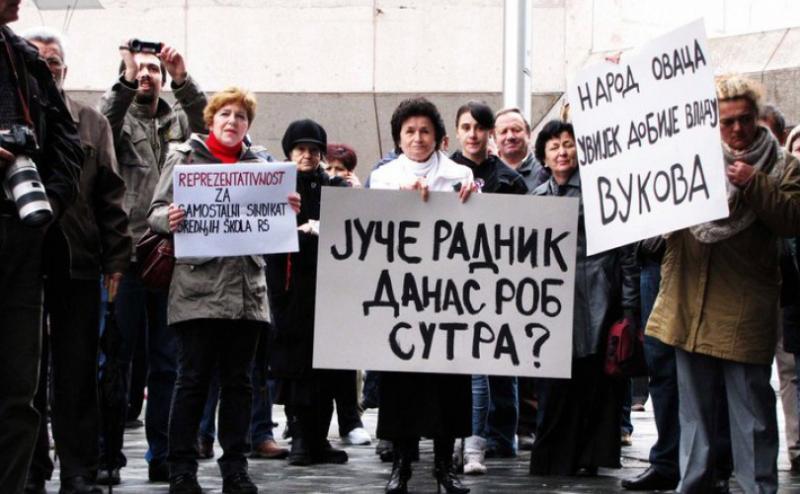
x=226 y=154
x=419 y=169
x=766 y=156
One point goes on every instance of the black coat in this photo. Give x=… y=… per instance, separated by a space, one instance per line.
x=60 y=153
x=790 y=296
x=291 y=282
x=606 y=284
x=493 y=175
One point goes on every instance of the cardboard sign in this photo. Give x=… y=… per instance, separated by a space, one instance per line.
x=647 y=133
x=235 y=209
x=484 y=287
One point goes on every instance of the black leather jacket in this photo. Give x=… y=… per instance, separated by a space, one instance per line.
x=60 y=156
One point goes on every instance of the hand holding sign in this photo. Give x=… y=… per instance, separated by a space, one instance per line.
x=176 y=216
x=224 y=210
x=445 y=287
x=647 y=130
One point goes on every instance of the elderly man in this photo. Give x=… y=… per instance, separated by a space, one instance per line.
x=512 y=133
x=144 y=125
x=96 y=228
x=719 y=300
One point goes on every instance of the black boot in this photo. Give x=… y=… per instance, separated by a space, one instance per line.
x=443 y=470
x=401 y=469
x=300 y=454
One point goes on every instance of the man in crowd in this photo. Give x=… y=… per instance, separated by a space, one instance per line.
x=719 y=300
x=96 y=229
x=29 y=97
x=772 y=118
x=143 y=125
x=495 y=408
x=512 y=133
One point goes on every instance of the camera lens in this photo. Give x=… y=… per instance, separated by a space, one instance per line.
x=25 y=187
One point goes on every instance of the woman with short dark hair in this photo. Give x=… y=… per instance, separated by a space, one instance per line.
x=340 y=161
x=413 y=405
x=579 y=419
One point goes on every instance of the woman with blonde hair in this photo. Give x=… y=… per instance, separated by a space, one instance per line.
x=217 y=306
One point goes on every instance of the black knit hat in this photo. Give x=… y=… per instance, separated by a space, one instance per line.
x=301 y=131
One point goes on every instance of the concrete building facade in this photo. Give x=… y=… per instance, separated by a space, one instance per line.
x=347 y=63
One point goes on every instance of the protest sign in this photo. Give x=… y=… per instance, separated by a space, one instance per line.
x=647 y=133
x=484 y=287
x=235 y=209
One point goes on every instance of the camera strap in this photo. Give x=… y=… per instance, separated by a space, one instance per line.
x=26 y=111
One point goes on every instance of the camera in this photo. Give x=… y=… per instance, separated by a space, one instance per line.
x=22 y=182
x=140 y=46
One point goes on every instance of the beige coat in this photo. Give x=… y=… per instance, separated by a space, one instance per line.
x=208 y=287
x=722 y=299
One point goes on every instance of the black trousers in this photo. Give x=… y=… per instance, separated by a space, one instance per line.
x=311 y=401
x=70 y=347
x=20 y=335
x=346 y=397
x=203 y=343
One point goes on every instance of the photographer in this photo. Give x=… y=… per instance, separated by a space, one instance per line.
x=143 y=125
x=96 y=229
x=28 y=98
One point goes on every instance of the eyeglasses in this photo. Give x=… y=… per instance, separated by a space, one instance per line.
x=746 y=119
x=54 y=62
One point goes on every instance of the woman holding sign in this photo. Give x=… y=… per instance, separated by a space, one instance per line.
x=413 y=404
x=579 y=426
x=217 y=307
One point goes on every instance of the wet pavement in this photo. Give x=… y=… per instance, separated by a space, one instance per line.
x=365 y=472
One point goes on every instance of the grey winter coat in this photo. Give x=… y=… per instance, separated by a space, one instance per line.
x=606 y=284
x=142 y=141
x=208 y=287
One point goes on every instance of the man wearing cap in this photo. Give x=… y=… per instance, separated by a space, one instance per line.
x=291 y=280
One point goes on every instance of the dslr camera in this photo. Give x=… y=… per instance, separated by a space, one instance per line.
x=22 y=182
x=139 y=46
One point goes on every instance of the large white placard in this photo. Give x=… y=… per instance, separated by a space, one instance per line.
x=235 y=209
x=484 y=287
x=647 y=131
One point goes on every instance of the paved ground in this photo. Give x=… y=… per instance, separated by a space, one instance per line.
x=365 y=473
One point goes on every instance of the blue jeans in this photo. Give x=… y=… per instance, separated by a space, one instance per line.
x=626 y=426
x=495 y=412
x=142 y=313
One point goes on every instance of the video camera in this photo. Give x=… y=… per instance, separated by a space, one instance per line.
x=139 y=46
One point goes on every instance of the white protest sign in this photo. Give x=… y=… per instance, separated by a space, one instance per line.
x=441 y=286
x=235 y=209
x=647 y=132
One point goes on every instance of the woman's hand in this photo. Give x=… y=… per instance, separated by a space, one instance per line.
x=353 y=180
x=294 y=201
x=466 y=190
x=420 y=185
x=312 y=227
x=176 y=216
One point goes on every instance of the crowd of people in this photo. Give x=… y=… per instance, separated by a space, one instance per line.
x=234 y=335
